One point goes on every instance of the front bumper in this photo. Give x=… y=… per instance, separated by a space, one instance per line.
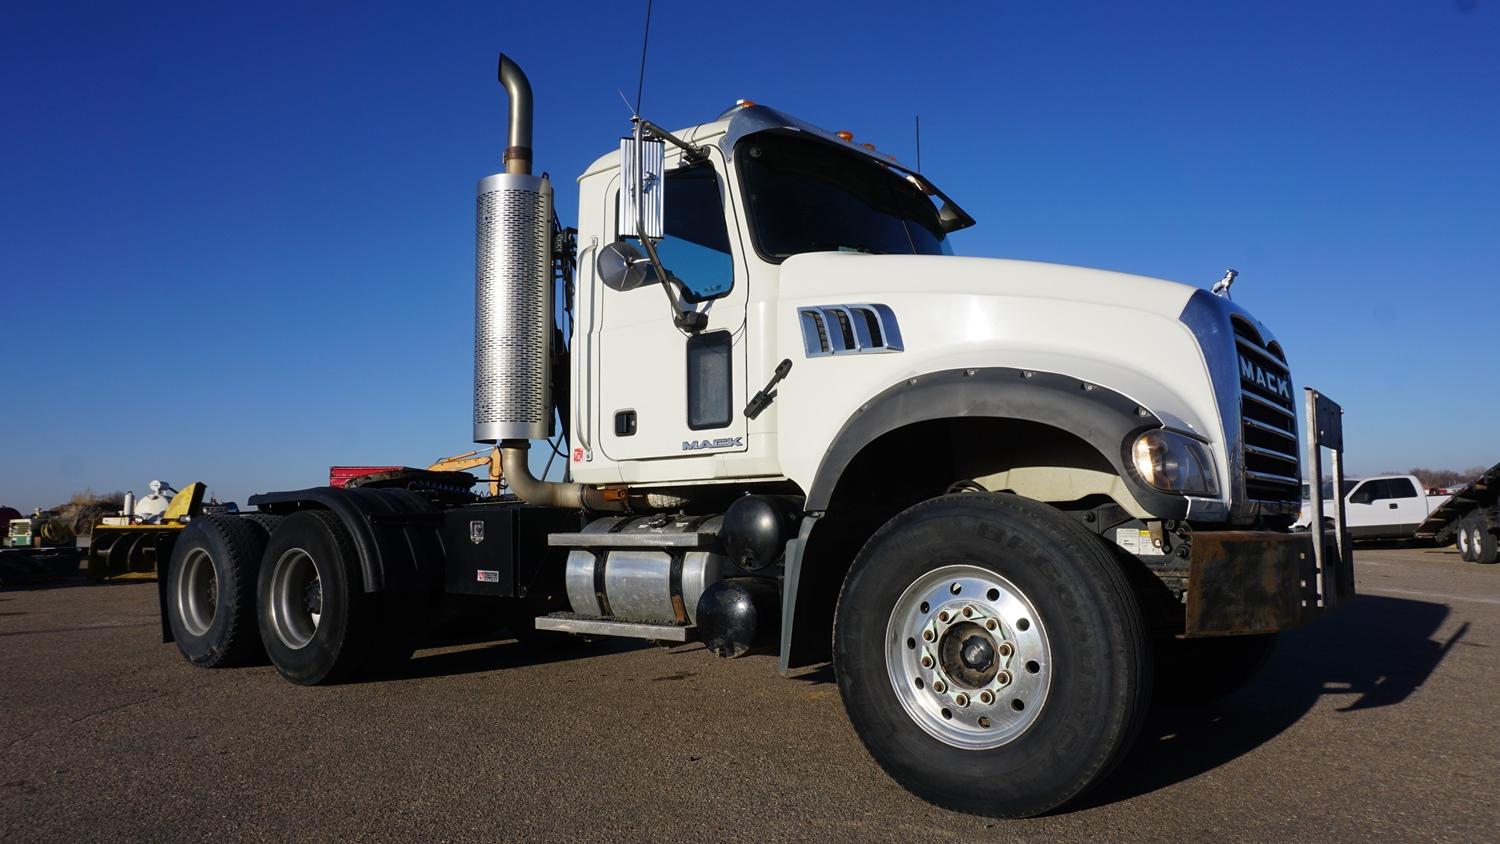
x=1244 y=582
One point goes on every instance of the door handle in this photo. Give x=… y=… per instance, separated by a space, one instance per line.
x=1393 y=505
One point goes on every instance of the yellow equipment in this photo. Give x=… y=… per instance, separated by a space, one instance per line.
x=126 y=551
x=469 y=460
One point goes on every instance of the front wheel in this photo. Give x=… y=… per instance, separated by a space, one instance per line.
x=991 y=654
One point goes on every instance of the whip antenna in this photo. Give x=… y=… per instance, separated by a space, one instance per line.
x=640 y=85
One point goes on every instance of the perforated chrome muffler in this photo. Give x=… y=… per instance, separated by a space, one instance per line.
x=512 y=308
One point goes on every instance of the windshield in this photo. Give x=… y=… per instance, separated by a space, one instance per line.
x=806 y=195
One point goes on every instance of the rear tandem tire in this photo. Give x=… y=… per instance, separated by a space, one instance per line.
x=1463 y=539
x=316 y=621
x=264 y=522
x=211 y=591
x=1067 y=629
x=1483 y=547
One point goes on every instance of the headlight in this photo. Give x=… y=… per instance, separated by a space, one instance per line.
x=1174 y=463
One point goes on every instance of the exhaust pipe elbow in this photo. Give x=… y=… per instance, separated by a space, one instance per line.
x=518 y=137
x=531 y=490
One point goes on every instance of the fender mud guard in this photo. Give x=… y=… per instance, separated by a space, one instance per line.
x=397 y=533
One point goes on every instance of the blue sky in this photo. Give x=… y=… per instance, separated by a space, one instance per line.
x=236 y=240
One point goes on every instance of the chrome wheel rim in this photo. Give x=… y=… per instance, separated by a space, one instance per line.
x=968 y=656
x=1463 y=540
x=197 y=592
x=296 y=599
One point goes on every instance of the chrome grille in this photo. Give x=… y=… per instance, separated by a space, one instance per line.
x=1268 y=418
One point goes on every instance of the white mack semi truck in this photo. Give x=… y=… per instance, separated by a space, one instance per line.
x=1007 y=499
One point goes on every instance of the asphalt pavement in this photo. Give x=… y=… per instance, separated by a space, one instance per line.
x=1377 y=721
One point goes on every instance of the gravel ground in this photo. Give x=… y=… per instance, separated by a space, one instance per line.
x=1378 y=721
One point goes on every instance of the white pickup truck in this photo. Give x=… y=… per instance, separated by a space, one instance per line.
x=1380 y=507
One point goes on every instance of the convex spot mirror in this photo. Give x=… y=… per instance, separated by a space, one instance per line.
x=622 y=267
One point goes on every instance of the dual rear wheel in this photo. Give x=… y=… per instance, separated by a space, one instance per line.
x=242 y=587
x=1476 y=542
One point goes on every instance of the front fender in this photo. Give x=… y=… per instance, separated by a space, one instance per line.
x=1107 y=420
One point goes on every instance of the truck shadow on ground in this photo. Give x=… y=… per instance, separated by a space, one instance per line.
x=70 y=581
x=1373 y=653
x=498 y=650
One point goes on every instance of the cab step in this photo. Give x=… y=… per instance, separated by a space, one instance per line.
x=566 y=622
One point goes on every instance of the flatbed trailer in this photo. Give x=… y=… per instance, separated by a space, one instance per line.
x=1470 y=519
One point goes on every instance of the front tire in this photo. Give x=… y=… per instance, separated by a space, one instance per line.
x=978 y=635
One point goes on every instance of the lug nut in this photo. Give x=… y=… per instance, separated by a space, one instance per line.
x=986 y=697
x=968 y=612
x=943 y=616
x=939 y=686
x=927 y=634
x=961 y=699
x=926 y=661
x=1003 y=678
x=990 y=624
x=1005 y=650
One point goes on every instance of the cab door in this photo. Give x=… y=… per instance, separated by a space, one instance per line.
x=665 y=392
x=1359 y=508
x=1406 y=505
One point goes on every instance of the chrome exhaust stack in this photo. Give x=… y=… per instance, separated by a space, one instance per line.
x=518 y=136
x=513 y=314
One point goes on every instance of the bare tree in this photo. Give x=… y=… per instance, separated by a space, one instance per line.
x=1441 y=478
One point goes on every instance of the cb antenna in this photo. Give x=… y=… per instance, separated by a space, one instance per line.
x=640 y=85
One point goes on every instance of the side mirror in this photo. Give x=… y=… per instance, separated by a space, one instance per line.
x=622 y=267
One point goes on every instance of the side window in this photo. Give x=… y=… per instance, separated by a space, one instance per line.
x=1364 y=493
x=696 y=248
x=1401 y=488
x=710 y=380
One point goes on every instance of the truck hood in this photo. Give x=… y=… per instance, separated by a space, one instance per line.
x=846 y=274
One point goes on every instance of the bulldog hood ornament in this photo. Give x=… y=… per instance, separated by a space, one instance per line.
x=1221 y=287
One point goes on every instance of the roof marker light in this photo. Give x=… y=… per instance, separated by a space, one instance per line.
x=845 y=134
